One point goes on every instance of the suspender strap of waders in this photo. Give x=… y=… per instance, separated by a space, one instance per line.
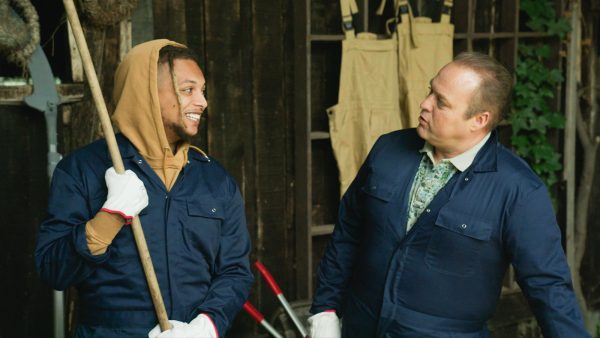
x=446 y=11
x=381 y=7
x=404 y=15
x=348 y=7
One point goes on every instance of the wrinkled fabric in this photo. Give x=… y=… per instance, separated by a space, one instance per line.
x=196 y=234
x=368 y=102
x=443 y=278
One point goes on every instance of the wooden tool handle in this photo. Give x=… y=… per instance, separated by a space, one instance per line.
x=136 y=226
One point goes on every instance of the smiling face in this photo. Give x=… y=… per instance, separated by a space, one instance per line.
x=181 y=119
x=443 y=121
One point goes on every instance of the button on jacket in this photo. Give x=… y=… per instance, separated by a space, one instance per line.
x=196 y=234
x=443 y=277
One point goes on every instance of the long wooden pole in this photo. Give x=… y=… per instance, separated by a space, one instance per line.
x=115 y=155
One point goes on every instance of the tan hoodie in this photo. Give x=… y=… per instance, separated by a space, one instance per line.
x=137 y=114
x=138 y=117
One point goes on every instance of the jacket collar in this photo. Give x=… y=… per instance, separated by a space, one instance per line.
x=125 y=147
x=486 y=159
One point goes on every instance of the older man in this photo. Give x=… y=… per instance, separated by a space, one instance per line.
x=435 y=216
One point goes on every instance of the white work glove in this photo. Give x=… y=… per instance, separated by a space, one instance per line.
x=201 y=327
x=127 y=195
x=155 y=332
x=324 y=325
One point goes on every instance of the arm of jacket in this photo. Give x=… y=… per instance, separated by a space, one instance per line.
x=335 y=268
x=232 y=278
x=62 y=256
x=534 y=244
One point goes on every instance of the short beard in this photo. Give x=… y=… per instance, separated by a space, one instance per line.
x=183 y=136
x=180 y=131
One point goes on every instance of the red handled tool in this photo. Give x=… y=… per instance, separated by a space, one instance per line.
x=261 y=319
x=271 y=281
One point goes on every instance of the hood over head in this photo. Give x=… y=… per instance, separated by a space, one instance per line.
x=137 y=114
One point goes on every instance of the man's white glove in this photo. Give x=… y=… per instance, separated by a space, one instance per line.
x=324 y=325
x=127 y=195
x=155 y=332
x=201 y=327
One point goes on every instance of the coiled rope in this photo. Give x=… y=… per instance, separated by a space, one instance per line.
x=106 y=12
x=19 y=30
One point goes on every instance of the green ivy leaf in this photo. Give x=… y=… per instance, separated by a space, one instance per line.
x=531 y=115
x=543 y=51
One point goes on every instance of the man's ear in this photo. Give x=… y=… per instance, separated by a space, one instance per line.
x=482 y=120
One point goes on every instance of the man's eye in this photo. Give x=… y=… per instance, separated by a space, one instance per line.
x=187 y=90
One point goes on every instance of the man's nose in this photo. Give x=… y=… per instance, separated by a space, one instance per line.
x=426 y=103
x=201 y=101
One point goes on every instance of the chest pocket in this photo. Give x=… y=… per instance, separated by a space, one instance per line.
x=377 y=188
x=456 y=242
x=202 y=228
x=377 y=202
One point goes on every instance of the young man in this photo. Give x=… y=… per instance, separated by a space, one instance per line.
x=429 y=226
x=190 y=208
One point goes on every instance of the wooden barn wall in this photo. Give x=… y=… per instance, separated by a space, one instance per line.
x=246 y=48
x=23 y=191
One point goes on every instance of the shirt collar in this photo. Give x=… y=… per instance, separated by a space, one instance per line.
x=462 y=161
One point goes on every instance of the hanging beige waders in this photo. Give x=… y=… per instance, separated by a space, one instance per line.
x=423 y=49
x=368 y=99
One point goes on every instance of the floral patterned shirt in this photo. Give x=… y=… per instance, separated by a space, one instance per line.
x=432 y=177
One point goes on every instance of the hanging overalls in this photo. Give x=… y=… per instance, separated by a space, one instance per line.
x=383 y=82
x=368 y=100
x=423 y=49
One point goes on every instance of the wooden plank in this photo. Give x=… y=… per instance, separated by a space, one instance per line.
x=14 y=95
x=270 y=92
x=23 y=202
x=569 y=151
x=320 y=230
x=228 y=51
x=195 y=21
x=169 y=20
x=302 y=147
x=76 y=64
x=125 y=39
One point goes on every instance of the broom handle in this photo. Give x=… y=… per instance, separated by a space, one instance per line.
x=115 y=155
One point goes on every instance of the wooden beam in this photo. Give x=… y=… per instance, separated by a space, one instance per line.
x=14 y=95
x=302 y=121
x=571 y=106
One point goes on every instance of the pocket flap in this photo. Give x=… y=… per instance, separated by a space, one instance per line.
x=205 y=209
x=465 y=224
x=378 y=188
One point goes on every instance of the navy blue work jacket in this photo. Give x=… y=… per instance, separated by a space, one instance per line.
x=196 y=234
x=443 y=278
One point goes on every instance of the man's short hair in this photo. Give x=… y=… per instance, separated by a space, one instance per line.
x=170 y=53
x=495 y=90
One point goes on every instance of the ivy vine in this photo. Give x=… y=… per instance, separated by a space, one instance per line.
x=532 y=114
